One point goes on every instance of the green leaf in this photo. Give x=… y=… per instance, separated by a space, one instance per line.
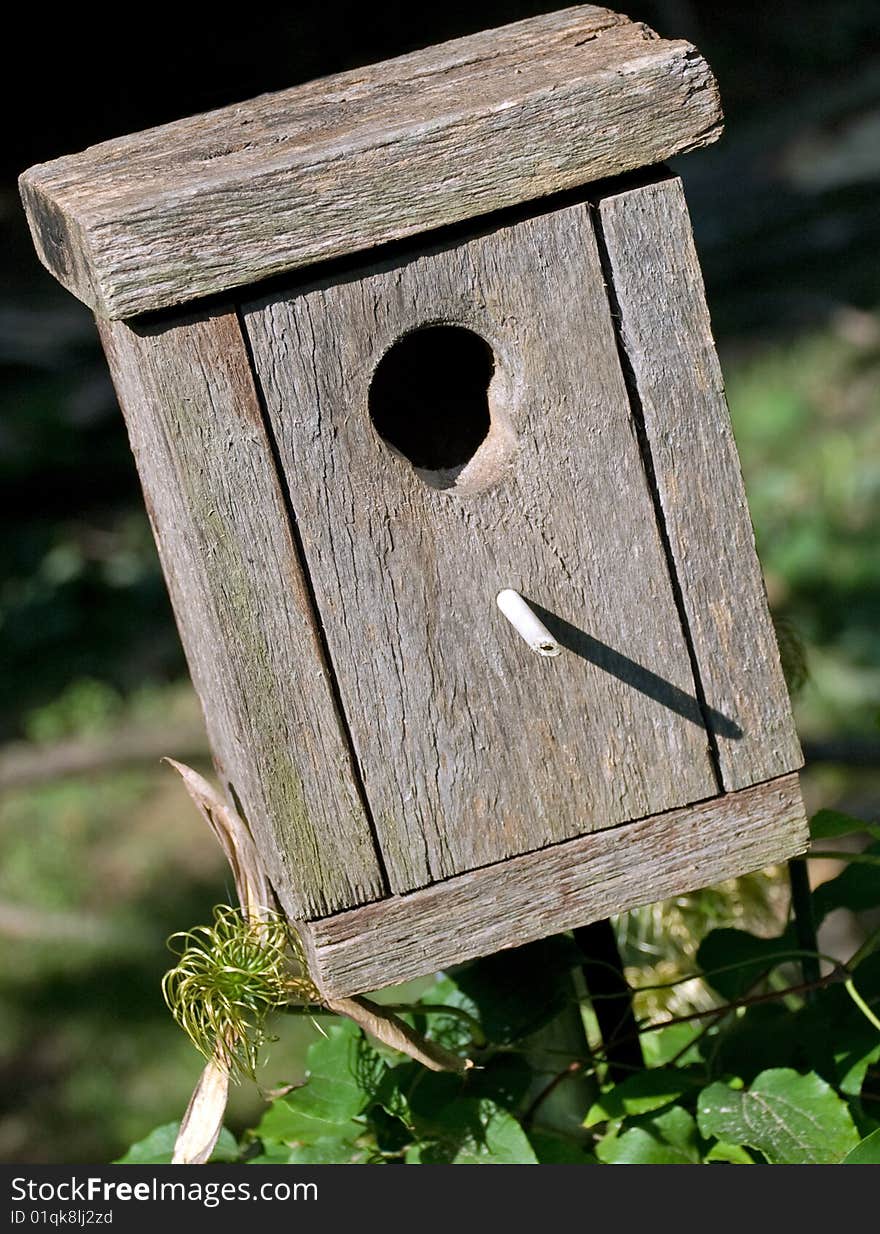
x=158 y=1147
x=431 y=1092
x=411 y=1095
x=854 y=1076
x=322 y=1152
x=639 y=1094
x=287 y=1122
x=559 y=1150
x=274 y=1153
x=474 y=1132
x=327 y=1152
x=758 y=1039
x=390 y=1134
x=834 y=1036
x=865 y=1153
x=828 y=824
x=392 y=1093
x=667 y=1043
x=666 y=1139
x=504 y=1079
x=856 y=888
x=732 y=1154
x=451 y=1031
x=792 y=1119
x=829 y=1036
x=733 y=961
x=344 y=1073
x=514 y=993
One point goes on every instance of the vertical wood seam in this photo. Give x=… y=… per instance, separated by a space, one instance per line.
x=644 y=445
x=326 y=656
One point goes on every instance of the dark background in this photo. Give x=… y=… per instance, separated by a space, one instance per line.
x=96 y=869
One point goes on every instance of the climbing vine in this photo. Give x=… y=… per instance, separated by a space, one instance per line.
x=770 y=1067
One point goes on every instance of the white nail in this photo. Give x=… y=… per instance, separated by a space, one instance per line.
x=526 y=623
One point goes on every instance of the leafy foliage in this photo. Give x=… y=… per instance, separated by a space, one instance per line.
x=157 y=1148
x=472 y=1132
x=642 y=1093
x=830 y=824
x=865 y=1153
x=344 y=1073
x=358 y=1105
x=767 y=1069
x=663 y=1139
x=790 y=1118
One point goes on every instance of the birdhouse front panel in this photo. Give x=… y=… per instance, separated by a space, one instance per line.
x=420 y=381
x=452 y=423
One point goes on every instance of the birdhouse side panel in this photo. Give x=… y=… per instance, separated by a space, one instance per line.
x=667 y=335
x=242 y=606
x=471 y=747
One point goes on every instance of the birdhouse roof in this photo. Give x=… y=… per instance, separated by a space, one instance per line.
x=365 y=157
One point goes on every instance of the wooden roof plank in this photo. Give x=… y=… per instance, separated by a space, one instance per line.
x=372 y=155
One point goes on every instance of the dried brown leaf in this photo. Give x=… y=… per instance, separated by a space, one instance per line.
x=251 y=881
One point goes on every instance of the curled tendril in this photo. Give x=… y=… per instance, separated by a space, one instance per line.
x=230 y=977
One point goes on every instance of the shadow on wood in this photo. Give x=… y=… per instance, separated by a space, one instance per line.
x=635 y=675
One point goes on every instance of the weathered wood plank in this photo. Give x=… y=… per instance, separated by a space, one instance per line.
x=560 y=888
x=667 y=335
x=364 y=157
x=241 y=604
x=471 y=747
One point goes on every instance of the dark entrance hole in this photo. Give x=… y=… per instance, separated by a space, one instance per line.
x=428 y=396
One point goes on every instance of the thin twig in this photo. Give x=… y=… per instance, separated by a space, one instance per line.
x=576 y=1067
x=775 y=957
x=838 y=975
x=707 y=1028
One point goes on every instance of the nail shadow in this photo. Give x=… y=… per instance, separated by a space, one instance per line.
x=636 y=675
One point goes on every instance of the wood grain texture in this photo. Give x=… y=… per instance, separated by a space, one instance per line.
x=471 y=747
x=667 y=336
x=241 y=605
x=560 y=888
x=338 y=165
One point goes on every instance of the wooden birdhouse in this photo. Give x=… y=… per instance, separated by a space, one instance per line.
x=420 y=382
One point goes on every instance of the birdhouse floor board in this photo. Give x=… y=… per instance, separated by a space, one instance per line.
x=340 y=165
x=559 y=888
x=472 y=748
x=242 y=604
x=666 y=338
